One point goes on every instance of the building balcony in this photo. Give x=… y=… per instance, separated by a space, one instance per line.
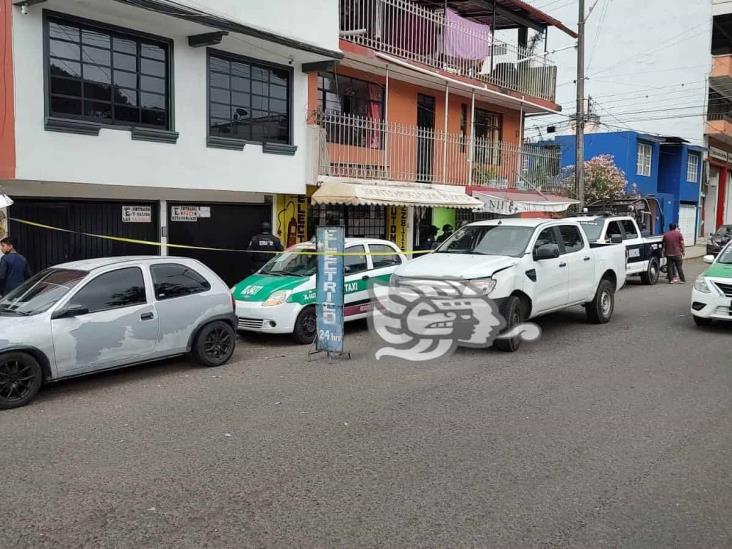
x=719 y=127
x=366 y=149
x=720 y=80
x=444 y=41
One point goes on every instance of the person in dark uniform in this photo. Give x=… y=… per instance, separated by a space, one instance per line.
x=446 y=233
x=428 y=241
x=263 y=241
x=14 y=269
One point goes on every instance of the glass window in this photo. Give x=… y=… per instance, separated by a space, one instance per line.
x=355 y=263
x=488 y=129
x=248 y=101
x=644 y=159
x=692 y=168
x=96 y=74
x=592 y=227
x=613 y=229
x=547 y=236
x=488 y=240
x=41 y=292
x=389 y=259
x=571 y=238
x=629 y=227
x=175 y=280
x=120 y=288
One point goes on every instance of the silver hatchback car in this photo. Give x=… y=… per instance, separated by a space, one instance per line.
x=100 y=314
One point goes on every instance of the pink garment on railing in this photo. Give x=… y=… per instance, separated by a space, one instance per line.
x=465 y=39
x=375 y=116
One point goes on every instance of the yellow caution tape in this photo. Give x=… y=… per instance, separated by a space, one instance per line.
x=201 y=248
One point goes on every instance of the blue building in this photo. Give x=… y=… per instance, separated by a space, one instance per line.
x=666 y=168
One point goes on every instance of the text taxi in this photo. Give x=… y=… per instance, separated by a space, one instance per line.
x=280 y=297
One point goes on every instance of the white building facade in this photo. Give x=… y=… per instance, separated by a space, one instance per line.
x=156 y=120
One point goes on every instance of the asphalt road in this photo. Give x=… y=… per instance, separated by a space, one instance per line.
x=615 y=435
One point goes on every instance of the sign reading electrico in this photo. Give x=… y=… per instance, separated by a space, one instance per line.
x=329 y=289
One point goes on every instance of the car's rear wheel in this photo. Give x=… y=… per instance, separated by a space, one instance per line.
x=215 y=344
x=600 y=309
x=699 y=321
x=653 y=273
x=513 y=313
x=305 y=326
x=20 y=379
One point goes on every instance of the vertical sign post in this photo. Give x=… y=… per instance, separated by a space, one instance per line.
x=329 y=290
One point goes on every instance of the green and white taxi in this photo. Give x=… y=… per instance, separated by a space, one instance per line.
x=280 y=297
x=711 y=298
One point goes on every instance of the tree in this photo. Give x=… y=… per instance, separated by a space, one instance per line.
x=603 y=179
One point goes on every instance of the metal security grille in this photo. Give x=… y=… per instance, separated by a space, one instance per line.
x=359 y=221
x=468 y=216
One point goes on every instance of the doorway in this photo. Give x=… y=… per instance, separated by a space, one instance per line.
x=425 y=137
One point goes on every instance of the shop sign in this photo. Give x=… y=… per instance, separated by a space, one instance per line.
x=189 y=213
x=718 y=154
x=291 y=218
x=329 y=289
x=136 y=214
x=396 y=225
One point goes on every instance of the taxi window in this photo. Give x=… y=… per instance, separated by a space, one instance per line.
x=385 y=256
x=355 y=263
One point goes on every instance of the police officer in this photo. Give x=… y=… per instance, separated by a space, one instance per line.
x=264 y=241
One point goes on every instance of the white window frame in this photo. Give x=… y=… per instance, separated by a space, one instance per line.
x=644 y=159
x=692 y=168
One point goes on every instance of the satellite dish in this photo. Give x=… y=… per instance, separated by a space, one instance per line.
x=5 y=200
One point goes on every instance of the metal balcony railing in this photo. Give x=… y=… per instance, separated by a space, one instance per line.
x=442 y=40
x=364 y=148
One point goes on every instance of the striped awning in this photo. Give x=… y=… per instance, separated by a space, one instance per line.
x=369 y=194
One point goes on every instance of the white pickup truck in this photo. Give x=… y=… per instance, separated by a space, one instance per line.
x=529 y=267
x=644 y=253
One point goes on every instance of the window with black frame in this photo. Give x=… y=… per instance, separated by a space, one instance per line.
x=488 y=128
x=107 y=76
x=248 y=100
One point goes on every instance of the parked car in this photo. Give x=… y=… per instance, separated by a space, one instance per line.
x=644 y=253
x=711 y=298
x=529 y=267
x=280 y=297
x=100 y=314
x=718 y=239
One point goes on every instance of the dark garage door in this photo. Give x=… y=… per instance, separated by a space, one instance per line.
x=44 y=248
x=227 y=226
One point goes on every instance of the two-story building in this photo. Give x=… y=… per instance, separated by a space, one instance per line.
x=668 y=169
x=421 y=123
x=178 y=122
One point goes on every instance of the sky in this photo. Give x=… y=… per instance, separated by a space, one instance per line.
x=647 y=62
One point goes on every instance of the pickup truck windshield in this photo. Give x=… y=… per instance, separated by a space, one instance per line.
x=592 y=228
x=292 y=264
x=488 y=240
x=41 y=292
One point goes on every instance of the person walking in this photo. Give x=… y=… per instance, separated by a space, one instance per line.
x=14 y=268
x=673 y=249
x=263 y=241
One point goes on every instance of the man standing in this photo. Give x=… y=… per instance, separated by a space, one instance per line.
x=446 y=233
x=264 y=241
x=14 y=269
x=673 y=247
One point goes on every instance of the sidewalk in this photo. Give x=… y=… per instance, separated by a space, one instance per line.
x=692 y=252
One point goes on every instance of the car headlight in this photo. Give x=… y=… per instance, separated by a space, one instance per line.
x=700 y=285
x=484 y=285
x=277 y=298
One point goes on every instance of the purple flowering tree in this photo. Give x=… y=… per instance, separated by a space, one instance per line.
x=603 y=179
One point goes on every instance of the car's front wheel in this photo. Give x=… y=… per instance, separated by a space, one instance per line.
x=20 y=379
x=215 y=344
x=513 y=313
x=305 y=326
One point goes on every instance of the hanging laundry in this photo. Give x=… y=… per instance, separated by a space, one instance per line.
x=465 y=39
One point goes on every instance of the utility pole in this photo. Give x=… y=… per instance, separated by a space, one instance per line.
x=580 y=115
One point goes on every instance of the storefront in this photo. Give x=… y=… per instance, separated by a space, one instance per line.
x=387 y=211
x=717 y=196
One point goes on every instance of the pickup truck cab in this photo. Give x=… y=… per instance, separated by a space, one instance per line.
x=644 y=253
x=530 y=267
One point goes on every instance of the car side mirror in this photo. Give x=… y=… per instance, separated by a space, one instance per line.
x=546 y=251
x=616 y=239
x=70 y=312
x=709 y=258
